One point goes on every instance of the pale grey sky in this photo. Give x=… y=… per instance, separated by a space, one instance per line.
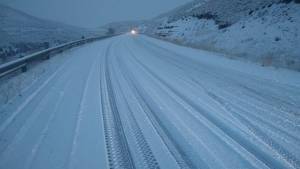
x=93 y=13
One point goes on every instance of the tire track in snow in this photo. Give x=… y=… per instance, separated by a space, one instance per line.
x=43 y=135
x=176 y=59
x=118 y=152
x=149 y=161
x=177 y=63
x=181 y=158
x=198 y=83
x=262 y=155
x=30 y=122
x=216 y=133
x=80 y=115
x=288 y=156
x=21 y=129
x=11 y=118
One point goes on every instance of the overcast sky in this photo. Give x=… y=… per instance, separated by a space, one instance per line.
x=94 y=13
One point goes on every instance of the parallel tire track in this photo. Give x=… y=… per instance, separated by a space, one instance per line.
x=31 y=97
x=79 y=115
x=11 y=120
x=176 y=60
x=149 y=161
x=282 y=151
x=260 y=154
x=181 y=158
x=118 y=152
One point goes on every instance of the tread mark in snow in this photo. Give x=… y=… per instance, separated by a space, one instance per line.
x=181 y=159
x=289 y=157
x=118 y=152
x=80 y=116
x=231 y=132
x=149 y=160
x=11 y=118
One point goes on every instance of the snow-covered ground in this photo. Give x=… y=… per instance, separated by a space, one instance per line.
x=22 y=34
x=13 y=85
x=138 y=102
x=266 y=32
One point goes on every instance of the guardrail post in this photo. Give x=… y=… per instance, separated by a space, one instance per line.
x=47 y=56
x=24 y=68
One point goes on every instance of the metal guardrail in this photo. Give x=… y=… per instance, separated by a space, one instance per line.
x=22 y=63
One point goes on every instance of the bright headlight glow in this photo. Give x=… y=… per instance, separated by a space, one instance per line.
x=133 y=32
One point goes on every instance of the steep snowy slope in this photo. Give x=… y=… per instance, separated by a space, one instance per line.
x=263 y=31
x=21 y=33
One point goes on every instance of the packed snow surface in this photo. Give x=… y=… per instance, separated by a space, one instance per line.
x=137 y=102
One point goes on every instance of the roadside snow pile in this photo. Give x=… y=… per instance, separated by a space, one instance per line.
x=267 y=32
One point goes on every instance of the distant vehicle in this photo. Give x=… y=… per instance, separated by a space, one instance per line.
x=134 y=32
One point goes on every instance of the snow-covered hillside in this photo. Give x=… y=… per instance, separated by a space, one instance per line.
x=263 y=31
x=21 y=33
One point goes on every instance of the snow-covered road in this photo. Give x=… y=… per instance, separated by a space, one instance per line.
x=137 y=102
